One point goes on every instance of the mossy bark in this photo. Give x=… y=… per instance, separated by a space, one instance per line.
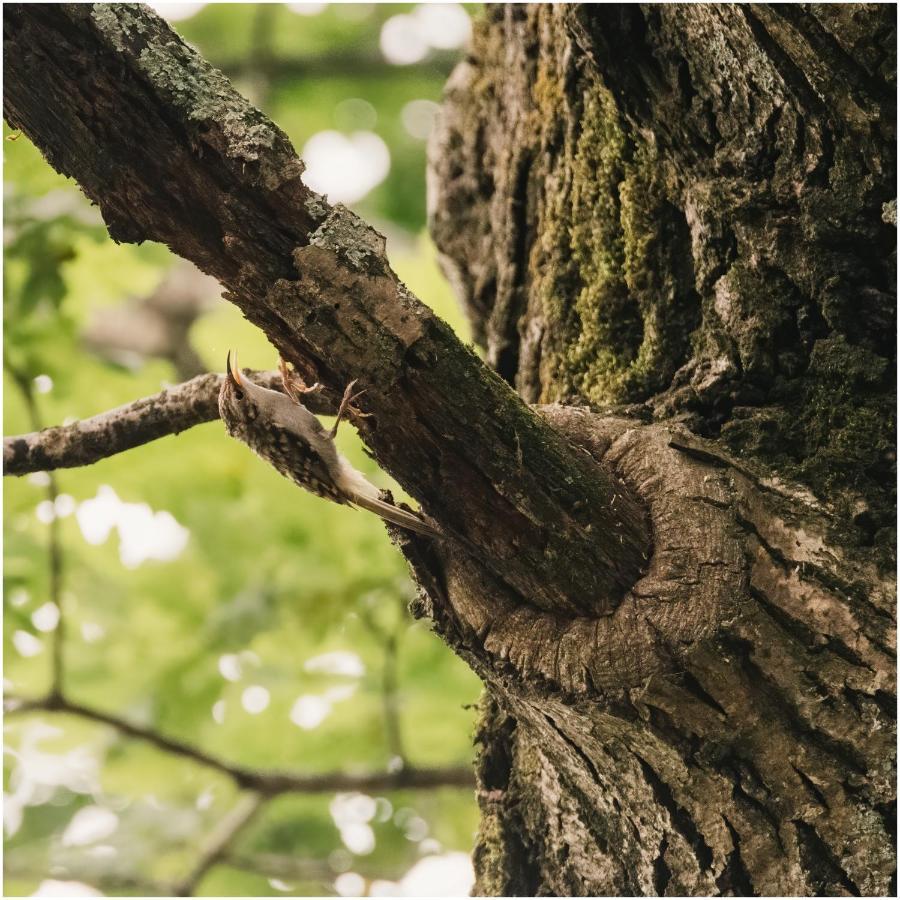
x=675 y=213
x=686 y=215
x=689 y=209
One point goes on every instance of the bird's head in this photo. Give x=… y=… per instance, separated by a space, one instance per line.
x=242 y=402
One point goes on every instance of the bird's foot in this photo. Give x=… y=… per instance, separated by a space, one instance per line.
x=294 y=385
x=348 y=407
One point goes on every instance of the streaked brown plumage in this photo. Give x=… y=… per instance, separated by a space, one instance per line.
x=281 y=430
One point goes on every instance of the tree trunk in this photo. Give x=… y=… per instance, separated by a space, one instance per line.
x=684 y=216
x=669 y=227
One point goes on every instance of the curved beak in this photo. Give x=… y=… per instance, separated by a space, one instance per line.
x=232 y=370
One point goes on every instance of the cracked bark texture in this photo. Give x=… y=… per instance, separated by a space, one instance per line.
x=170 y=152
x=689 y=654
x=685 y=215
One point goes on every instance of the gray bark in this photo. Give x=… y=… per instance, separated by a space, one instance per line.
x=689 y=656
x=683 y=215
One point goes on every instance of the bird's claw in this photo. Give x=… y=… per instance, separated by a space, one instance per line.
x=347 y=406
x=294 y=386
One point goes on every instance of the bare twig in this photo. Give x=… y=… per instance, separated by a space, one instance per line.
x=269 y=783
x=221 y=839
x=111 y=883
x=55 y=567
x=54 y=543
x=169 y=412
x=256 y=70
x=389 y=693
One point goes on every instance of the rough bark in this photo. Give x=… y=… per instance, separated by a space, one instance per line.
x=717 y=718
x=685 y=214
x=690 y=208
x=170 y=152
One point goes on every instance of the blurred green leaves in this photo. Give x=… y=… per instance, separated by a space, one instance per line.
x=38 y=245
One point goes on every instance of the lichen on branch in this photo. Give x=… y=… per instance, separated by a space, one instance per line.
x=171 y=153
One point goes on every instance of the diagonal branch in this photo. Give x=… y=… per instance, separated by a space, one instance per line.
x=221 y=840
x=169 y=412
x=171 y=153
x=263 y=782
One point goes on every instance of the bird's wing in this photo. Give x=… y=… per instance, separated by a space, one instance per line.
x=302 y=462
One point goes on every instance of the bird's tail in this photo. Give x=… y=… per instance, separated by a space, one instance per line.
x=401 y=517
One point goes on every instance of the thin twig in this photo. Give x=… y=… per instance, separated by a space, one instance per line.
x=390 y=699
x=257 y=70
x=389 y=692
x=221 y=840
x=169 y=412
x=54 y=541
x=55 y=564
x=269 y=783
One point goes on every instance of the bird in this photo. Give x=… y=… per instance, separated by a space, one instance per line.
x=283 y=432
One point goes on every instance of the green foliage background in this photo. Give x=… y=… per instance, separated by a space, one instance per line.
x=269 y=573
